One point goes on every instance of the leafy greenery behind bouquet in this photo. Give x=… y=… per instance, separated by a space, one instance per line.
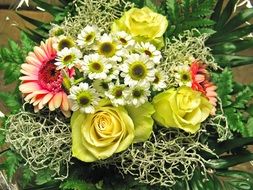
x=229 y=33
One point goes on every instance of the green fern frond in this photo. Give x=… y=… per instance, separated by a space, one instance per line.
x=74 y=184
x=189 y=14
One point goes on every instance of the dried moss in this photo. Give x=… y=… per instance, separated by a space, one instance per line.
x=43 y=142
x=93 y=12
x=168 y=156
x=178 y=51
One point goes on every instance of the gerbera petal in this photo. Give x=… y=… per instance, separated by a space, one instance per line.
x=29 y=78
x=65 y=103
x=51 y=105
x=66 y=113
x=33 y=60
x=30 y=68
x=47 y=98
x=57 y=99
x=33 y=94
x=29 y=87
x=36 y=109
x=40 y=53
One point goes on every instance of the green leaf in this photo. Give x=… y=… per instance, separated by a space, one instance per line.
x=233 y=60
x=226 y=14
x=242 y=98
x=11 y=101
x=249 y=128
x=11 y=163
x=224 y=80
x=228 y=145
x=231 y=36
x=234 y=119
x=231 y=47
x=229 y=161
x=235 y=180
x=238 y=20
x=27 y=176
x=43 y=176
x=74 y=184
x=150 y=4
x=217 y=11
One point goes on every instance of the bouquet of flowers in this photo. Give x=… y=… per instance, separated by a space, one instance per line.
x=117 y=94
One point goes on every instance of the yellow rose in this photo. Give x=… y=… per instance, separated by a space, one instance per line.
x=109 y=130
x=143 y=24
x=183 y=108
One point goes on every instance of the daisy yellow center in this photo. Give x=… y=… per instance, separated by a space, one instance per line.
x=89 y=37
x=137 y=93
x=185 y=76
x=157 y=78
x=68 y=59
x=118 y=92
x=108 y=49
x=147 y=52
x=123 y=41
x=49 y=77
x=96 y=67
x=104 y=85
x=84 y=98
x=65 y=43
x=58 y=32
x=138 y=70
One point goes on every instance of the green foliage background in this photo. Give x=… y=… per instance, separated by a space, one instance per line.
x=228 y=37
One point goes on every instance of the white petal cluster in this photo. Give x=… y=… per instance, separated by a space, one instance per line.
x=115 y=67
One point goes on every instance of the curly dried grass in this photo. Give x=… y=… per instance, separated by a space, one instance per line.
x=167 y=157
x=179 y=50
x=93 y=12
x=43 y=142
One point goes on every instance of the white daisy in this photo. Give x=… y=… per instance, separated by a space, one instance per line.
x=160 y=80
x=117 y=94
x=137 y=69
x=150 y=50
x=68 y=58
x=138 y=95
x=101 y=86
x=124 y=39
x=183 y=75
x=88 y=36
x=113 y=72
x=62 y=42
x=108 y=47
x=56 y=31
x=83 y=98
x=95 y=66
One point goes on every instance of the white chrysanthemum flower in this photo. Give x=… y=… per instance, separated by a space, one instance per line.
x=150 y=50
x=138 y=95
x=56 y=31
x=108 y=47
x=124 y=39
x=160 y=80
x=67 y=58
x=117 y=94
x=137 y=68
x=101 y=86
x=183 y=75
x=95 y=66
x=62 y=42
x=113 y=72
x=83 y=98
x=88 y=36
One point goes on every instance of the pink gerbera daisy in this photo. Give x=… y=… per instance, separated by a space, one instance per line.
x=42 y=82
x=200 y=82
